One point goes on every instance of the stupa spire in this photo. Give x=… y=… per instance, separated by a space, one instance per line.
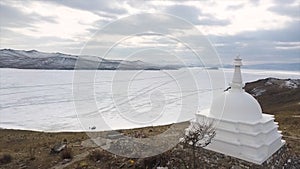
x=237 y=81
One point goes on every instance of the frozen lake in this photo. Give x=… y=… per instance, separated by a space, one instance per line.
x=64 y=100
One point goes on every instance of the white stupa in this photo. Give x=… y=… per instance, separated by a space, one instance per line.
x=242 y=130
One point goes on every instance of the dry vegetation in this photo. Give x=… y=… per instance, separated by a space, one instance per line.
x=29 y=148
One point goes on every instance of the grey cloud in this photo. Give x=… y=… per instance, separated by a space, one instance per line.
x=107 y=15
x=283 y=9
x=290 y=33
x=255 y=2
x=284 y=1
x=214 y=22
x=47 y=44
x=150 y=24
x=12 y=17
x=146 y=22
x=93 y=6
x=191 y=14
x=235 y=7
x=287 y=45
x=260 y=45
x=260 y=51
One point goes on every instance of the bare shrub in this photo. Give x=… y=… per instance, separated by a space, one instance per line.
x=198 y=135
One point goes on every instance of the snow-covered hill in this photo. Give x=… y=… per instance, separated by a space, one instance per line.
x=33 y=59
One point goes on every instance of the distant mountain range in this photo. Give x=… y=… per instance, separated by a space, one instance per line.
x=33 y=59
x=276 y=66
x=272 y=66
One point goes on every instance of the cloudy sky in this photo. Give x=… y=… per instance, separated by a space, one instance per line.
x=262 y=31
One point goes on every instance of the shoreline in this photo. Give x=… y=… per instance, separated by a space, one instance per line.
x=87 y=131
x=31 y=149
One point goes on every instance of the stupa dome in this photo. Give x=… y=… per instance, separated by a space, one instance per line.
x=237 y=106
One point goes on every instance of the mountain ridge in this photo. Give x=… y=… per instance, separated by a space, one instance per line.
x=33 y=59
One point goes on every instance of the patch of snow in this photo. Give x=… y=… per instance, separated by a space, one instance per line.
x=257 y=91
x=268 y=83
x=291 y=84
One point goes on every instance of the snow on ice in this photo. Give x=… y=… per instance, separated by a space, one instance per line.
x=44 y=99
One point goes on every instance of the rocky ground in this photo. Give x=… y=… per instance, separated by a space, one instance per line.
x=29 y=149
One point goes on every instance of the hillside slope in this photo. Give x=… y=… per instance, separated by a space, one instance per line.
x=276 y=95
x=33 y=59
